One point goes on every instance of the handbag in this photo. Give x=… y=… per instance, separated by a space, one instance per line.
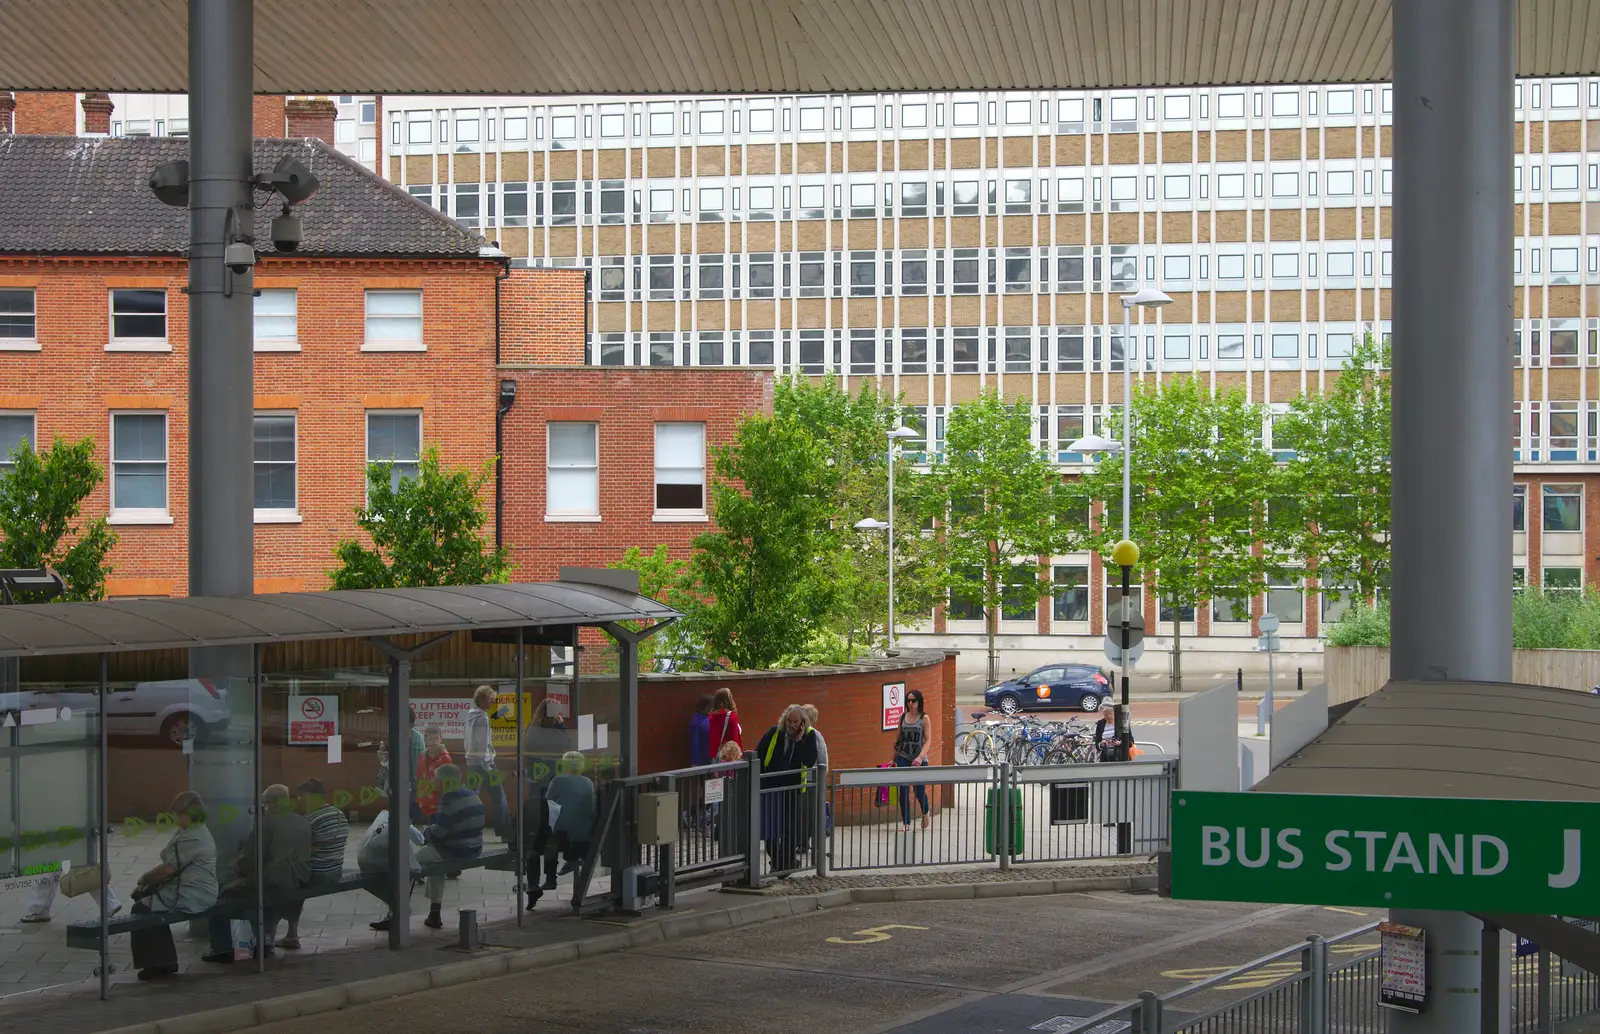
x=80 y=880
x=145 y=891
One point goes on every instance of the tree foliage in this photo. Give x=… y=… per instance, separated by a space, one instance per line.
x=672 y=582
x=1340 y=476
x=425 y=530
x=852 y=432
x=1004 y=507
x=41 y=504
x=1201 y=477
x=764 y=570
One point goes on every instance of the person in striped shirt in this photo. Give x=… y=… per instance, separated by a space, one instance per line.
x=454 y=835
x=329 y=833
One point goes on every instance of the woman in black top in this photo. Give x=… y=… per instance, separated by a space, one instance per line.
x=911 y=748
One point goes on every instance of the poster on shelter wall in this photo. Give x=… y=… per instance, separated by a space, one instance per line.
x=1403 y=967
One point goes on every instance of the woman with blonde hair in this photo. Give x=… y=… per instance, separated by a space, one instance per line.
x=478 y=745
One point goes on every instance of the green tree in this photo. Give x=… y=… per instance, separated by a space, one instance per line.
x=764 y=570
x=1200 y=479
x=852 y=432
x=672 y=582
x=41 y=503
x=1004 y=507
x=425 y=530
x=1340 y=476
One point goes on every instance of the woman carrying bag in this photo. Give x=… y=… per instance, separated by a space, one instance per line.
x=185 y=882
x=911 y=748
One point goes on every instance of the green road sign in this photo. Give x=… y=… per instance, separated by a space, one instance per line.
x=1402 y=852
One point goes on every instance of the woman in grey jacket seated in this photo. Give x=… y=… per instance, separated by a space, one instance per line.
x=571 y=797
x=184 y=881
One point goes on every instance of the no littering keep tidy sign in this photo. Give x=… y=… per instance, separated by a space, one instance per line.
x=1400 y=852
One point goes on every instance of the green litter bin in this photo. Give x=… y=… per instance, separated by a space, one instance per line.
x=991 y=816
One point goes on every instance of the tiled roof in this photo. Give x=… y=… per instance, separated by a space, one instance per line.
x=76 y=195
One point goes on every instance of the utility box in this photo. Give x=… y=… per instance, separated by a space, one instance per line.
x=658 y=818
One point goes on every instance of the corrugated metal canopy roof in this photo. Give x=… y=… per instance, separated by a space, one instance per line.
x=116 y=626
x=750 y=46
x=1455 y=739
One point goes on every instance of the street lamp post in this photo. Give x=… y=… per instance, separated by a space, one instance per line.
x=894 y=435
x=1125 y=554
x=873 y=524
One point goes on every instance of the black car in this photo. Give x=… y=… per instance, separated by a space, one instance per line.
x=1055 y=686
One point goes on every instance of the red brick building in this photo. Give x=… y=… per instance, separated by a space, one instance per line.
x=373 y=341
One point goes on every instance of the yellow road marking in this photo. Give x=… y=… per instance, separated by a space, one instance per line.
x=872 y=934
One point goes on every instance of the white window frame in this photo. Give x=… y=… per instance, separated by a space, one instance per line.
x=277 y=515
x=140 y=514
x=24 y=344
x=379 y=344
x=277 y=344
x=669 y=515
x=132 y=344
x=33 y=436
x=366 y=439
x=575 y=516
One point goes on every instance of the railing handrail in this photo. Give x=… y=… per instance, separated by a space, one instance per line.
x=1287 y=980
x=679 y=773
x=1080 y=772
x=915 y=775
x=1121 y=1008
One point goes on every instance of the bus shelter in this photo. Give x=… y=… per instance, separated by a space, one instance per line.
x=105 y=723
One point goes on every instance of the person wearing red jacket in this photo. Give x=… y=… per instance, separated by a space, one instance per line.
x=724 y=723
x=434 y=757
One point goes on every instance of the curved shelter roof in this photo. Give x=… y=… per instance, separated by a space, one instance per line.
x=115 y=626
x=750 y=46
x=1455 y=739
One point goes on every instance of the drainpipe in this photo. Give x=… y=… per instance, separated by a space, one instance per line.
x=588 y=354
x=508 y=397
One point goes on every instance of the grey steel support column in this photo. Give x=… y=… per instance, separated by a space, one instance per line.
x=221 y=377
x=523 y=793
x=401 y=768
x=1454 y=64
x=102 y=819
x=629 y=666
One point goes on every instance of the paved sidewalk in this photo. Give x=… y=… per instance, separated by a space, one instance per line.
x=215 y=999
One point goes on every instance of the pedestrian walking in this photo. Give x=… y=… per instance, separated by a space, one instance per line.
x=700 y=751
x=724 y=722
x=911 y=748
x=478 y=744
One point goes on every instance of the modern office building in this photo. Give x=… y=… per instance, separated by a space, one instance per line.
x=938 y=244
x=355 y=120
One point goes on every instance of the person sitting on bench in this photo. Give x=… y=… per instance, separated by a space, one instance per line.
x=285 y=846
x=184 y=882
x=329 y=832
x=373 y=857
x=455 y=836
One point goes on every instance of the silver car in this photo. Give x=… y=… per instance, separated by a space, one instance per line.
x=173 y=709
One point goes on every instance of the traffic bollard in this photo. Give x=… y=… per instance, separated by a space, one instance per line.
x=1239 y=680
x=1300 y=679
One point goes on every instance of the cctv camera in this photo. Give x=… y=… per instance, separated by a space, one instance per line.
x=240 y=257
x=293 y=180
x=286 y=231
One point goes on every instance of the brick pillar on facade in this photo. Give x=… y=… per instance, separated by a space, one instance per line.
x=97 y=108
x=8 y=107
x=267 y=116
x=46 y=114
x=311 y=117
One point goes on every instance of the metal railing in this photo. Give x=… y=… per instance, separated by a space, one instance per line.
x=1330 y=986
x=954 y=815
x=793 y=821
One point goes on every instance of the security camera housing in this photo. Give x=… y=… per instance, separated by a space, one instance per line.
x=170 y=183
x=286 y=232
x=293 y=180
x=240 y=257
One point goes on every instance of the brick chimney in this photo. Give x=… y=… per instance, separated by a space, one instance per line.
x=97 y=114
x=268 y=116
x=8 y=105
x=311 y=117
x=47 y=114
